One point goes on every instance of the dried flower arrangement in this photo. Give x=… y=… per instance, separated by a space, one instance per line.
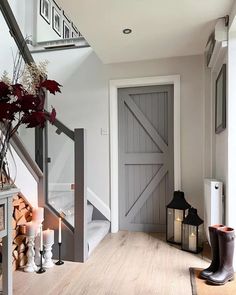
x=22 y=101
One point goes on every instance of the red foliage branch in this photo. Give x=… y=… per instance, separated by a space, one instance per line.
x=17 y=105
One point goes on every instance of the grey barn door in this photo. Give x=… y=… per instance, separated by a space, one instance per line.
x=145 y=157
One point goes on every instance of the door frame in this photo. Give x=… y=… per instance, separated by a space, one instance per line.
x=113 y=120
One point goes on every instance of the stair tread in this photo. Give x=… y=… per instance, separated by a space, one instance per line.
x=97 y=230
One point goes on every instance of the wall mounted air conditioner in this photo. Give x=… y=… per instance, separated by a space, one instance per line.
x=216 y=42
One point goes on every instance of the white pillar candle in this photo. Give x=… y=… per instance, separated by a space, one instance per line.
x=192 y=242
x=177 y=230
x=38 y=214
x=41 y=237
x=48 y=237
x=59 y=231
x=30 y=229
x=178 y=214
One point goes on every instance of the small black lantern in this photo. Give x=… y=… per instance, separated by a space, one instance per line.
x=192 y=232
x=175 y=214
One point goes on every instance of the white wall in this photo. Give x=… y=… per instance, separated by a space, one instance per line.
x=216 y=145
x=222 y=154
x=7 y=47
x=84 y=103
x=23 y=178
x=8 y=50
x=220 y=148
x=218 y=152
x=231 y=121
x=44 y=30
x=208 y=124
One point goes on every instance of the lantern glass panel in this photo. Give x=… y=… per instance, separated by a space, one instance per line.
x=179 y=214
x=189 y=239
x=170 y=224
x=200 y=236
x=174 y=223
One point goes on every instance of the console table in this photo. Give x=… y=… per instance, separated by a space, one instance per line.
x=6 y=235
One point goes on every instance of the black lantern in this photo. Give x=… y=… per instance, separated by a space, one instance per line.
x=175 y=214
x=192 y=232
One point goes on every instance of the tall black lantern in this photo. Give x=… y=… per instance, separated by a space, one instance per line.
x=192 y=232
x=175 y=214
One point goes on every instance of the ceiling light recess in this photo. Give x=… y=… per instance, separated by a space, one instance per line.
x=127 y=31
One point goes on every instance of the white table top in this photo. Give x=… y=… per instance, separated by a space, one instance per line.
x=8 y=193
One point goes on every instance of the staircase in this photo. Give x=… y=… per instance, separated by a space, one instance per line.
x=81 y=234
x=96 y=229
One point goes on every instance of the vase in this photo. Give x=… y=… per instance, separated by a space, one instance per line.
x=5 y=184
x=6 y=181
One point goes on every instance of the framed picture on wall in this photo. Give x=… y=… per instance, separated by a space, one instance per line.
x=45 y=10
x=56 y=20
x=66 y=30
x=2 y=217
x=220 y=100
x=66 y=17
x=74 y=34
x=75 y=31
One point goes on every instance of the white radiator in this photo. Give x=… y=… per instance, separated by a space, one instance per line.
x=213 y=203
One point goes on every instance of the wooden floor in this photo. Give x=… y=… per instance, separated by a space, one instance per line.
x=126 y=263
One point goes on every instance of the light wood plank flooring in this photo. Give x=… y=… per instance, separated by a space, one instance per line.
x=126 y=263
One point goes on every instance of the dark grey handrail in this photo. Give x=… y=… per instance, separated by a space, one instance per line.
x=26 y=158
x=63 y=128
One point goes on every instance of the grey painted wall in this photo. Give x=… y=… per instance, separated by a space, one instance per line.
x=85 y=103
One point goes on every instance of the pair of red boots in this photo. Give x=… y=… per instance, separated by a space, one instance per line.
x=222 y=244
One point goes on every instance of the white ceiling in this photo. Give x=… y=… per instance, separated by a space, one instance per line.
x=161 y=28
